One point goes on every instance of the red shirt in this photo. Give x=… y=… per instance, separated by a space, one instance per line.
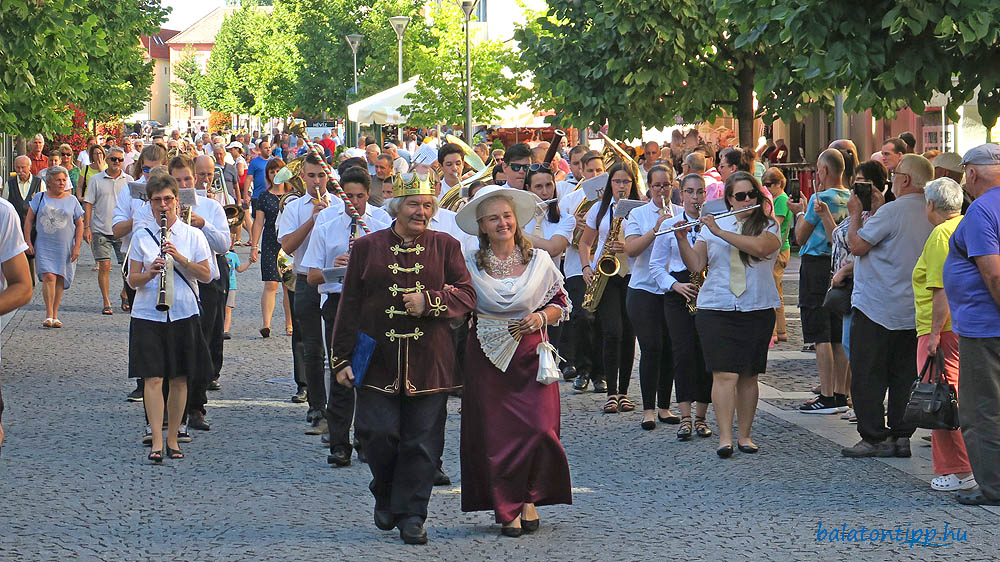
x=329 y=144
x=38 y=162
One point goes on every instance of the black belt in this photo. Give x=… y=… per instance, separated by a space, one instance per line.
x=682 y=276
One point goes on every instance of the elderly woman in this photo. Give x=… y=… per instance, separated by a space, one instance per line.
x=934 y=335
x=160 y=341
x=774 y=181
x=512 y=459
x=56 y=219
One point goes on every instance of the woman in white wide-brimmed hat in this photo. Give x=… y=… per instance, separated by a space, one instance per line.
x=512 y=459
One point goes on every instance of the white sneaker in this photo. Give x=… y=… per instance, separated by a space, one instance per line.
x=182 y=434
x=951 y=483
x=147 y=438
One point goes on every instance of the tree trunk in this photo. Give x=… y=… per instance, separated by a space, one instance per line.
x=744 y=104
x=20 y=145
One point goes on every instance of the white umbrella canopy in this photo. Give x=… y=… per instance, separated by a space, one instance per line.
x=383 y=107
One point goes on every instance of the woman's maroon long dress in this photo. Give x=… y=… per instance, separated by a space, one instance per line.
x=510 y=452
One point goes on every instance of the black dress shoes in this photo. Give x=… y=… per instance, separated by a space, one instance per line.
x=600 y=387
x=569 y=373
x=582 y=381
x=725 y=451
x=411 y=530
x=441 y=479
x=512 y=532
x=341 y=457
x=196 y=420
x=384 y=519
x=530 y=526
x=214 y=385
x=975 y=497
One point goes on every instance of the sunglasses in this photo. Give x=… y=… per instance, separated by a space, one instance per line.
x=65 y=154
x=769 y=183
x=744 y=195
x=499 y=182
x=115 y=159
x=146 y=169
x=535 y=167
x=518 y=167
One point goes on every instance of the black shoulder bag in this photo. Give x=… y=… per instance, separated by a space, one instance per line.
x=933 y=404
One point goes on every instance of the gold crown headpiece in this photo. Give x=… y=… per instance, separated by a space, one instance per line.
x=411 y=184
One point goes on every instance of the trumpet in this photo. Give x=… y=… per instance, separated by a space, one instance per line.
x=696 y=222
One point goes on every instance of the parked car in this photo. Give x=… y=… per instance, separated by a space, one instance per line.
x=154 y=127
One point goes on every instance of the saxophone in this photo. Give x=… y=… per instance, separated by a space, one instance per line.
x=697 y=278
x=608 y=265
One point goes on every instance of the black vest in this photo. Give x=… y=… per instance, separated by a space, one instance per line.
x=14 y=195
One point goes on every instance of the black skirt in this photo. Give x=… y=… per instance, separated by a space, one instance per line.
x=735 y=342
x=168 y=350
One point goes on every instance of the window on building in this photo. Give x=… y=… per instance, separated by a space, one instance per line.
x=480 y=12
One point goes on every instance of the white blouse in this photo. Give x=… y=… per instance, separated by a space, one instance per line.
x=192 y=244
x=331 y=238
x=665 y=256
x=602 y=229
x=567 y=206
x=761 y=292
x=639 y=222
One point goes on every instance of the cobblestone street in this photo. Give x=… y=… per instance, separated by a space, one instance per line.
x=75 y=483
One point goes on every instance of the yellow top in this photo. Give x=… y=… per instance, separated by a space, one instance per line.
x=928 y=274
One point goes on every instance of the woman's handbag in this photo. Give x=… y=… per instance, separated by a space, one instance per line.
x=933 y=404
x=838 y=299
x=548 y=361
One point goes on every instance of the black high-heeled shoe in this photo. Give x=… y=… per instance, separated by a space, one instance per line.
x=155 y=456
x=174 y=454
x=725 y=451
x=530 y=525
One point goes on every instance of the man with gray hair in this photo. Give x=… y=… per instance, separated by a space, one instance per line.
x=883 y=331
x=399 y=164
x=98 y=214
x=972 y=284
x=39 y=161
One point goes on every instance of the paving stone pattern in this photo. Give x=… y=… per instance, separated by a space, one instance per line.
x=74 y=482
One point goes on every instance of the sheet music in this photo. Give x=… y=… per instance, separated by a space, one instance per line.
x=334 y=274
x=592 y=187
x=188 y=197
x=137 y=190
x=625 y=206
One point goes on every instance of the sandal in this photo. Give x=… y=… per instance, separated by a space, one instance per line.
x=701 y=428
x=156 y=456
x=125 y=305
x=47 y=323
x=288 y=331
x=56 y=323
x=611 y=406
x=175 y=454
x=782 y=336
x=107 y=311
x=625 y=405
x=684 y=431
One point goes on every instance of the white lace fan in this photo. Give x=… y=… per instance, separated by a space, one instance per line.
x=499 y=338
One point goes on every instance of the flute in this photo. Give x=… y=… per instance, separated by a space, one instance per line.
x=696 y=222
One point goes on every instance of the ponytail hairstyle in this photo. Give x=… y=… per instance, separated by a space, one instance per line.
x=759 y=219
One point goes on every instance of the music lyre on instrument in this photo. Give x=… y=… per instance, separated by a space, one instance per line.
x=696 y=222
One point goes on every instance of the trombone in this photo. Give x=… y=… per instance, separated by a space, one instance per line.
x=696 y=222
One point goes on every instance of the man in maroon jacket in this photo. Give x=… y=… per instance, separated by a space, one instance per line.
x=403 y=287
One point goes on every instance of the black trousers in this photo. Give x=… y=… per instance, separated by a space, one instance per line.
x=403 y=437
x=881 y=359
x=213 y=314
x=298 y=361
x=310 y=330
x=656 y=365
x=580 y=342
x=692 y=382
x=340 y=401
x=618 y=339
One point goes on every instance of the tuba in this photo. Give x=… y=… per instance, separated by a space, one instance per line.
x=453 y=199
x=607 y=266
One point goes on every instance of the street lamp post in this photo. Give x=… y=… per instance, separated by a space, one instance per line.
x=468 y=6
x=354 y=40
x=399 y=24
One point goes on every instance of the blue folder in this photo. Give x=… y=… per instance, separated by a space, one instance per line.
x=361 y=357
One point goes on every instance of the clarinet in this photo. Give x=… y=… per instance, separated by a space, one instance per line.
x=165 y=297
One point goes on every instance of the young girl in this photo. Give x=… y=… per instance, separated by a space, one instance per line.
x=234 y=267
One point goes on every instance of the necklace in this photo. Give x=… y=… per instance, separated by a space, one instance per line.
x=503 y=267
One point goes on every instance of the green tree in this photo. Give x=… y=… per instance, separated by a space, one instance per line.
x=882 y=54
x=226 y=85
x=440 y=91
x=72 y=51
x=326 y=71
x=187 y=73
